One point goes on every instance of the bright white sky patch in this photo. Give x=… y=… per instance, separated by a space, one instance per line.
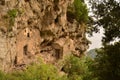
x=96 y=40
x=97 y=37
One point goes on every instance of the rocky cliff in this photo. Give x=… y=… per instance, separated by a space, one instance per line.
x=32 y=28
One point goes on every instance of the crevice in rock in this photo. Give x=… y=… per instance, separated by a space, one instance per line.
x=15 y=61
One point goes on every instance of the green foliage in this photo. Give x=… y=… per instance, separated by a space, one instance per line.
x=78 y=68
x=2 y=76
x=107 y=64
x=78 y=11
x=106 y=14
x=74 y=68
x=39 y=71
x=11 y=15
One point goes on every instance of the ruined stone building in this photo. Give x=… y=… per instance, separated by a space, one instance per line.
x=32 y=28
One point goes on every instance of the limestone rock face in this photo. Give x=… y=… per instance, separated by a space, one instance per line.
x=30 y=28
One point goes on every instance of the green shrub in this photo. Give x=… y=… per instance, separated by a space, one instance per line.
x=78 y=11
x=74 y=67
x=78 y=68
x=39 y=71
x=12 y=14
x=2 y=76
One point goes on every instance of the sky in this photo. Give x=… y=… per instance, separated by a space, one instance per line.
x=96 y=40
x=97 y=37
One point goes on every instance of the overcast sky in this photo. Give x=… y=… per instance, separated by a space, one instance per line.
x=96 y=40
x=97 y=37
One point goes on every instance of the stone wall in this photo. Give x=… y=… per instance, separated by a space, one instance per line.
x=38 y=28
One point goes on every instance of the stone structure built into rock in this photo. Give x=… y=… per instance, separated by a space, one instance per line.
x=30 y=28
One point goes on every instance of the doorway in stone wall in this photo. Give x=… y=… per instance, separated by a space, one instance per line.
x=25 y=49
x=59 y=53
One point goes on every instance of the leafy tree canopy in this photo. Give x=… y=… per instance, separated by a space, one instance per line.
x=107 y=15
x=78 y=11
x=107 y=63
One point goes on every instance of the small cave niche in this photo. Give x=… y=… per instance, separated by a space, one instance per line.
x=29 y=22
x=25 y=49
x=70 y=16
x=34 y=11
x=28 y=35
x=78 y=35
x=27 y=0
x=56 y=8
x=63 y=69
x=42 y=10
x=56 y=2
x=63 y=30
x=56 y=20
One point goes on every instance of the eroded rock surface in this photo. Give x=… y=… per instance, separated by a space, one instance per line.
x=30 y=28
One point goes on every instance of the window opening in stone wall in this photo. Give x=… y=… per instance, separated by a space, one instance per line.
x=25 y=49
x=15 y=61
x=28 y=35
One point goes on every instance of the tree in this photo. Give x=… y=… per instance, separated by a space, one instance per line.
x=78 y=11
x=77 y=68
x=107 y=63
x=107 y=15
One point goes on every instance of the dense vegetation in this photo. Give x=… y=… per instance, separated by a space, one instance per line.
x=107 y=15
x=78 y=11
x=106 y=65
x=74 y=69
